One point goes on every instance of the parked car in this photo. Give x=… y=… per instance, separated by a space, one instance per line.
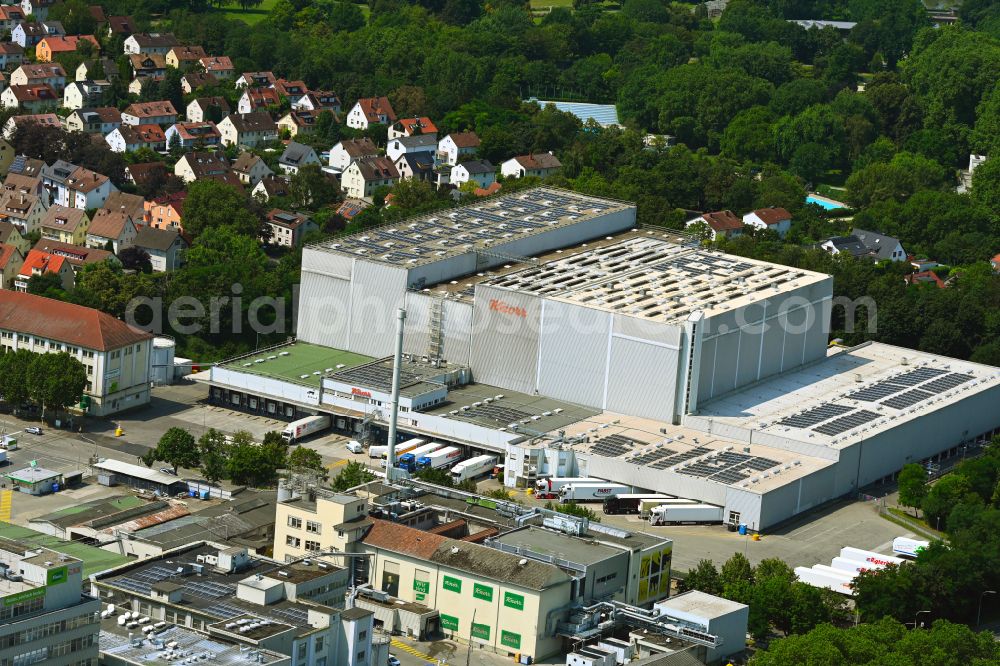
x=168 y=470
x=34 y=430
x=393 y=661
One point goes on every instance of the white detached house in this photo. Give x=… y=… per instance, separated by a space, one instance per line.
x=480 y=172
x=777 y=220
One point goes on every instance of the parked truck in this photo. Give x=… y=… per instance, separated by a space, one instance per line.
x=871 y=558
x=629 y=503
x=667 y=514
x=449 y=455
x=831 y=579
x=377 y=451
x=591 y=492
x=405 y=447
x=549 y=487
x=647 y=505
x=473 y=468
x=909 y=548
x=302 y=428
x=408 y=460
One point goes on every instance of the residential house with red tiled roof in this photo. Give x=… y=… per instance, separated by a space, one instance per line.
x=722 y=223
x=539 y=164
x=129 y=138
x=11 y=16
x=132 y=205
x=254 y=99
x=180 y=57
x=298 y=122
x=773 y=219
x=48 y=48
x=34 y=74
x=190 y=135
x=78 y=256
x=411 y=126
x=457 y=146
x=150 y=113
x=370 y=111
x=116 y=356
x=39 y=263
x=166 y=211
x=11 y=261
x=113 y=230
x=14 y=123
x=221 y=67
x=33 y=99
x=293 y=91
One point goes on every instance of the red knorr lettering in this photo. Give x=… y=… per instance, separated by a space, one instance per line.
x=506 y=308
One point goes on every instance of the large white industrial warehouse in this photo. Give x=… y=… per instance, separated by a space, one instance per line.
x=546 y=326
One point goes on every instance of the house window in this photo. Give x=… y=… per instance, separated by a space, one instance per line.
x=295 y=522
x=292 y=541
x=313 y=527
x=312 y=545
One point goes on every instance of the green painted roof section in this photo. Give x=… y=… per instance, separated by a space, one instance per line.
x=293 y=361
x=116 y=504
x=94 y=559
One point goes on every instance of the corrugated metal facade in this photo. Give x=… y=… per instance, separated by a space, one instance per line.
x=642 y=379
x=573 y=353
x=505 y=340
x=378 y=291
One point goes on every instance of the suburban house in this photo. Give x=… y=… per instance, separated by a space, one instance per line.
x=146 y=176
x=456 y=146
x=480 y=172
x=150 y=113
x=361 y=178
x=370 y=111
x=111 y=227
x=37 y=8
x=251 y=169
x=270 y=186
x=298 y=122
x=318 y=100
x=24 y=211
x=348 y=150
x=288 y=228
x=66 y=225
x=14 y=123
x=411 y=126
x=123 y=26
x=254 y=99
x=22 y=184
x=81 y=188
x=132 y=205
x=866 y=245
x=180 y=57
x=166 y=211
x=293 y=91
x=296 y=156
x=722 y=223
x=99 y=69
x=417 y=143
x=11 y=260
x=129 y=138
x=191 y=135
x=27 y=35
x=143 y=83
x=11 y=55
x=192 y=81
x=195 y=165
x=165 y=247
x=256 y=80
x=54 y=45
x=117 y=357
x=207 y=108
x=101 y=120
x=146 y=65
x=38 y=263
x=418 y=166
x=539 y=164
x=24 y=165
x=159 y=43
x=80 y=94
x=248 y=129
x=33 y=98
x=9 y=235
x=221 y=67
x=773 y=219
x=11 y=16
x=35 y=74
x=78 y=256
x=925 y=277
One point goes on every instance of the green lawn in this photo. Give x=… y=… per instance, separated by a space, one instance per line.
x=302 y=359
x=94 y=559
x=250 y=16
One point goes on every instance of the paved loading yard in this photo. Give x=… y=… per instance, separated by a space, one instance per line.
x=298 y=362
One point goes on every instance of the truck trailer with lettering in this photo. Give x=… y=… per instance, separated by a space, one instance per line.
x=548 y=488
x=403 y=448
x=629 y=503
x=869 y=556
x=449 y=455
x=647 y=505
x=591 y=492
x=669 y=514
x=297 y=430
x=908 y=548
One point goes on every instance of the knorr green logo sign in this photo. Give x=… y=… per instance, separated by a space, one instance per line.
x=422 y=586
x=484 y=592
x=453 y=584
x=510 y=639
x=481 y=631
x=448 y=622
x=21 y=597
x=511 y=600
x=56 y=576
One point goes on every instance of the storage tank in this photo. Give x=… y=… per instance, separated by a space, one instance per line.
x=163 y=360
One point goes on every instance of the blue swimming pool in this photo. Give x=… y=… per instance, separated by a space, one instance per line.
x=828 y=204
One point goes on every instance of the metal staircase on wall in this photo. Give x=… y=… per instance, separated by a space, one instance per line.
x=435 y=339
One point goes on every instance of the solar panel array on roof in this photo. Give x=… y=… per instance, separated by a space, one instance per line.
x=614 y=445
x=815 y=415
x=729 y=467
x=225 y=611
x=210 y=589
x=946 y=383
x=904 y=400
x=678 y=458
x=647 y=458
x=877 y=391
x=500 y=414
x=294 y=615
x=848 y=422
x=375 y=375
x=914 y=377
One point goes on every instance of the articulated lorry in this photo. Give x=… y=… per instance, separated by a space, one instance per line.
x=548 y=488
x=297 y=430
x=449 y=455
x=667 y=514
x=408 y=460
x=629 y=503
x=910 y=548
x=473 y=468
x=591 y=492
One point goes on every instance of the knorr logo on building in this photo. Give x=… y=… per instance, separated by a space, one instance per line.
x=512 y=600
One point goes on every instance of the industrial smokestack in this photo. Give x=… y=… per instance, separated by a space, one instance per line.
x=397 y=360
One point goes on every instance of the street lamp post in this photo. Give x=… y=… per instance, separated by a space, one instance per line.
x=979 y=613
x=918 y=615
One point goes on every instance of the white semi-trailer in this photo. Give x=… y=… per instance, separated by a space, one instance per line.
x=297 y=430
x=869 y=557
x=473 y=468
x=854 y=566
x=910 y=548
x=666 y=514
x=449 y=455
x=591 y=492
x=554 y=484
x=827 y=577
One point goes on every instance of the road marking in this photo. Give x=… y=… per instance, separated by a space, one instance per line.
x=399 y=645
x=336 y=464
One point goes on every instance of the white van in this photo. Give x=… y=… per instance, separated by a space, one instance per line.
x=354 y=446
